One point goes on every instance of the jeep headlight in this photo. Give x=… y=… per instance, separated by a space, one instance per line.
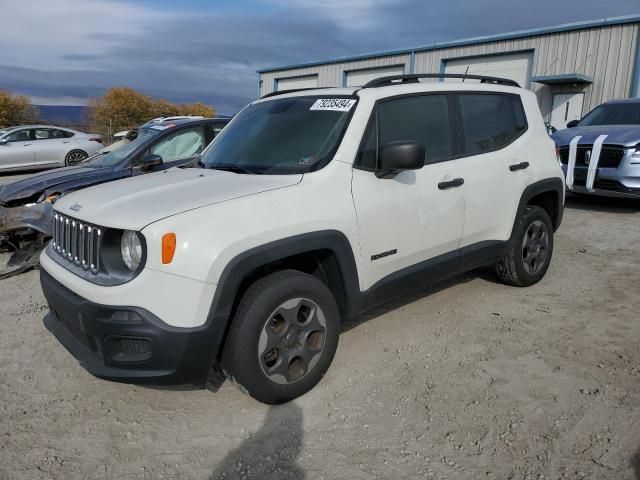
x=131 y=249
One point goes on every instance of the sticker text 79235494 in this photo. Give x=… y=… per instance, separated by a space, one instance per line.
x=333 y=104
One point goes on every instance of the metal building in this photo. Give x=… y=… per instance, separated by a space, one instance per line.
x=572 y=68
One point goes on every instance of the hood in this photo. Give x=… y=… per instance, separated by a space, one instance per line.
x=625 y=135
x=60 y=180
x=135 y=202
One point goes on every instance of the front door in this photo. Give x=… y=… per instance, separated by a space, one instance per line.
x=18 y=151
x=566 y=107
x=416 y=215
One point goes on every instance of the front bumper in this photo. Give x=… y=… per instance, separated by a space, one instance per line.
x=37 y=217
x=127 y=344
x=621 y=182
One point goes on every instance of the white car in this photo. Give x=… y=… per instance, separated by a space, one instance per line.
x=44 y=146
x=309 y=208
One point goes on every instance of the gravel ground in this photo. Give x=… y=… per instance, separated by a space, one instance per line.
x=470 y=380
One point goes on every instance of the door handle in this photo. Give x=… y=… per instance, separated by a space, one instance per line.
x=518 y=166
x=456 y=182
x=26 y=144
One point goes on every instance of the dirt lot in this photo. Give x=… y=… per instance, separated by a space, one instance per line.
x=470 y=380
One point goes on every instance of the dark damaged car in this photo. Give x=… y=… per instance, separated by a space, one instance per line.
x=26 y=213
x=600 y=154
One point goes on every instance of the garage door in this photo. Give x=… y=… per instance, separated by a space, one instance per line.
x=291 y=83
x=513 y=66
x=357 y=78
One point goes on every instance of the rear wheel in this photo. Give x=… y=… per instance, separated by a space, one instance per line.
x=74 y=157
x=283 y=337
x=529 y=253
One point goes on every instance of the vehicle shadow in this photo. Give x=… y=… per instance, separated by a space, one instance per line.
x=389 y=306
x=635 y=464
x=271 y=452
x=602 y=204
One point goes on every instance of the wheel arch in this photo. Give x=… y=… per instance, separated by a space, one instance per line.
x=326 y=254
x=547 y=194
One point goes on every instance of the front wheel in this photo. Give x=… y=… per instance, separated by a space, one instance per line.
x=283 y=337
x=530 y=249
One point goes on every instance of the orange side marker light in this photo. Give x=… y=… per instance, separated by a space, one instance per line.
x=168 y=247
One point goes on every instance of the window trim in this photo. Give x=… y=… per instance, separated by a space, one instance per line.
x=456 y=125
x=453 y=130
x=510 y=118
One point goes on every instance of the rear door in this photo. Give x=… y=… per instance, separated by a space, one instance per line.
x=49 y=146
x=18 y=151
x=412 y=217
x=495 y=162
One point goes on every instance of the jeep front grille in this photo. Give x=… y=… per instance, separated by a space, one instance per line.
x=77 y=242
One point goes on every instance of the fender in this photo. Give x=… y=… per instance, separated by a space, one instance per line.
x=555 y=185
x=246 y=262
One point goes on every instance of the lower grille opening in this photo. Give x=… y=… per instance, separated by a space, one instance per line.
x=128 y=349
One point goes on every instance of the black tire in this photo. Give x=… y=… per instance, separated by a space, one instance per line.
x=74 y=157
x=524 y=263
x=253 y=328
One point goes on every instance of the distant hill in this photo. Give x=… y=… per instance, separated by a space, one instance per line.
x=63 y=114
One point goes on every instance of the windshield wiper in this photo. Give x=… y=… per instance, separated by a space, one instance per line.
x=236 y=169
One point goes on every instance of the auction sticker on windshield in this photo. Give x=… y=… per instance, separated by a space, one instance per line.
x=333 y=104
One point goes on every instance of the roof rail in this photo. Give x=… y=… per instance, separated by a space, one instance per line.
x=415 y=78
x=282 y=92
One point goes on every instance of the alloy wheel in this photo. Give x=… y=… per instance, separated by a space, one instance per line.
x=535 y=247
x=292 y=340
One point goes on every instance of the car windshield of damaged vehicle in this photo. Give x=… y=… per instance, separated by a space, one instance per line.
x=613 y=114
x=26 y=214
x=288 y=136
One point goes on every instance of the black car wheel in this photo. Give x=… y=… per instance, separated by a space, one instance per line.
x=529 y=253
x=283 y=337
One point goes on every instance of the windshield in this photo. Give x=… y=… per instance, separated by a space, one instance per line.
x=613 y=114
x=111 y=159
x=283 y=136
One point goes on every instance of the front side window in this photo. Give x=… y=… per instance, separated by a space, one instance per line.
x=490 y=121
x=183 y=144
x=423 y=119
x=19 y=136
x=613 y=114
x=281 y=136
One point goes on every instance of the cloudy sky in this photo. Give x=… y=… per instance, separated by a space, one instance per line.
x=66 y=51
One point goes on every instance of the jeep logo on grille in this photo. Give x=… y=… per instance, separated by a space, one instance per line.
x=76 y=207
x=587 y=157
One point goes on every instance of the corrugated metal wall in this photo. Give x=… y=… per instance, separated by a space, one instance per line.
x=606 y=54
x=330 y=75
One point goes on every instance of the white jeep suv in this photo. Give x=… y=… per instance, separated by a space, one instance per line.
x=309 y=208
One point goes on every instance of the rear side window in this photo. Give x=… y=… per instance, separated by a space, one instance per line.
x=423 y=119
x=490 y=121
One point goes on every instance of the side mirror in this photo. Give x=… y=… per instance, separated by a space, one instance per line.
x=396 y=157
x=149 y=161
x=3 y=141
x=572 y=123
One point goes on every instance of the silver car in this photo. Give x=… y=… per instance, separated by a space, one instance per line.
x=600 y=154
x=43 y=146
